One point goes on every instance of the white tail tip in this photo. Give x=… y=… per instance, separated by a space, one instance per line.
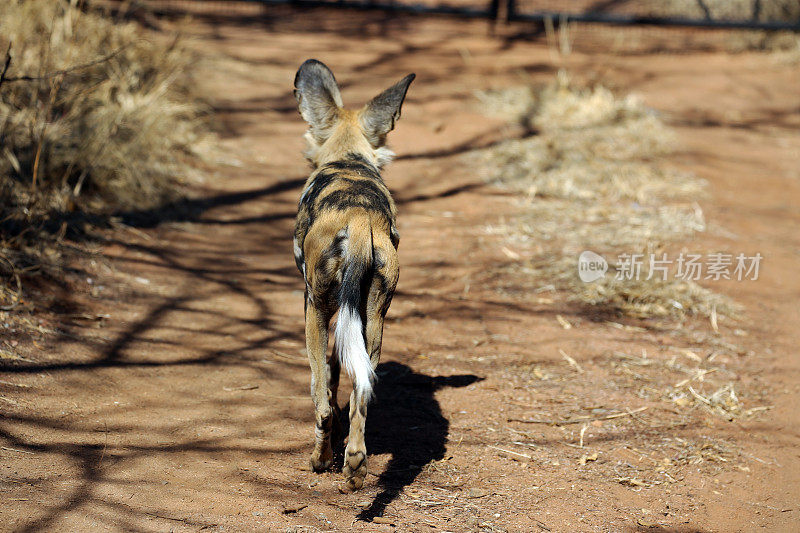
x=349 y=341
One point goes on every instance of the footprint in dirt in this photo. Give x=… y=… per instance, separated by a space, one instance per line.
x=405 y=421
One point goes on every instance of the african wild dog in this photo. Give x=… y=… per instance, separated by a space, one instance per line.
x=345 y=245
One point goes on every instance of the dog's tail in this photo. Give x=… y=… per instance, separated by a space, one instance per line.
x=349 y=331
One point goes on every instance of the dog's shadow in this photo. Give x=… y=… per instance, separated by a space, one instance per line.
x=405 y=421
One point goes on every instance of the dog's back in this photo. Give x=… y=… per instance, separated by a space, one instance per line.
x=346 y=222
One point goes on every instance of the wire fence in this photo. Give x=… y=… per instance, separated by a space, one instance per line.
x=731 y=14
x=744 y=14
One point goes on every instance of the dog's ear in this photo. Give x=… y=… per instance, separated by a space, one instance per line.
x=380 y=114
x=318 y=98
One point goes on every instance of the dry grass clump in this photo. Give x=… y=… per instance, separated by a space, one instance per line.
x=560 y=107
x=553 y=167
x=590 y=145
x=513 y=103
x=655 y=297
x=95 y=116
x=591 y=180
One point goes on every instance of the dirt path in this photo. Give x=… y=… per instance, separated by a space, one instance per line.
x=187 y=408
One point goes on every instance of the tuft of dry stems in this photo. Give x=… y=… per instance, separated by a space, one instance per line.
x=95 y=116
x=591 y=179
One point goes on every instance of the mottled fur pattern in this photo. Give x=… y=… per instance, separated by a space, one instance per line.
x=345 y=245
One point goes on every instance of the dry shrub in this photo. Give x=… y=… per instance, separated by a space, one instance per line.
x=654 y=297
x=591 y=180
x=109 y=120
x=119 y=133
x=590 y=145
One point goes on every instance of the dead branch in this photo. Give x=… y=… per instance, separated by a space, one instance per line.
x=578 y=420
x=64 y=72
x=6 y=65
x=16 y=277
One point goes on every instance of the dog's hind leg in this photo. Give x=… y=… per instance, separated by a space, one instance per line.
x=317 y=346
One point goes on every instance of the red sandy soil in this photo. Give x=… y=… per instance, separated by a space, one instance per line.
x=187 y=407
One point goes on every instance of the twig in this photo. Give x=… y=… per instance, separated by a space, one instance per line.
x=759 y=409
x=759 y=504
x=700 y=397
x=15 y=450
x=167 y=517
x=526 y=456
x=701 y=373
x=577 y=420
x=18 y=282
x=54 y=88
x=105 y=446
x=6 y=65
x=713 y=319
x=240 y=388
x=636 y=418
x=22 y=385
x=572 y=362
x=288 y=356
x=65 y=71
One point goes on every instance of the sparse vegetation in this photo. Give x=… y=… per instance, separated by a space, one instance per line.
x=591 y=179
x=95 y=116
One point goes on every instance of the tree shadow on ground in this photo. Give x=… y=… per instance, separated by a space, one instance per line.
x=405 y=420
